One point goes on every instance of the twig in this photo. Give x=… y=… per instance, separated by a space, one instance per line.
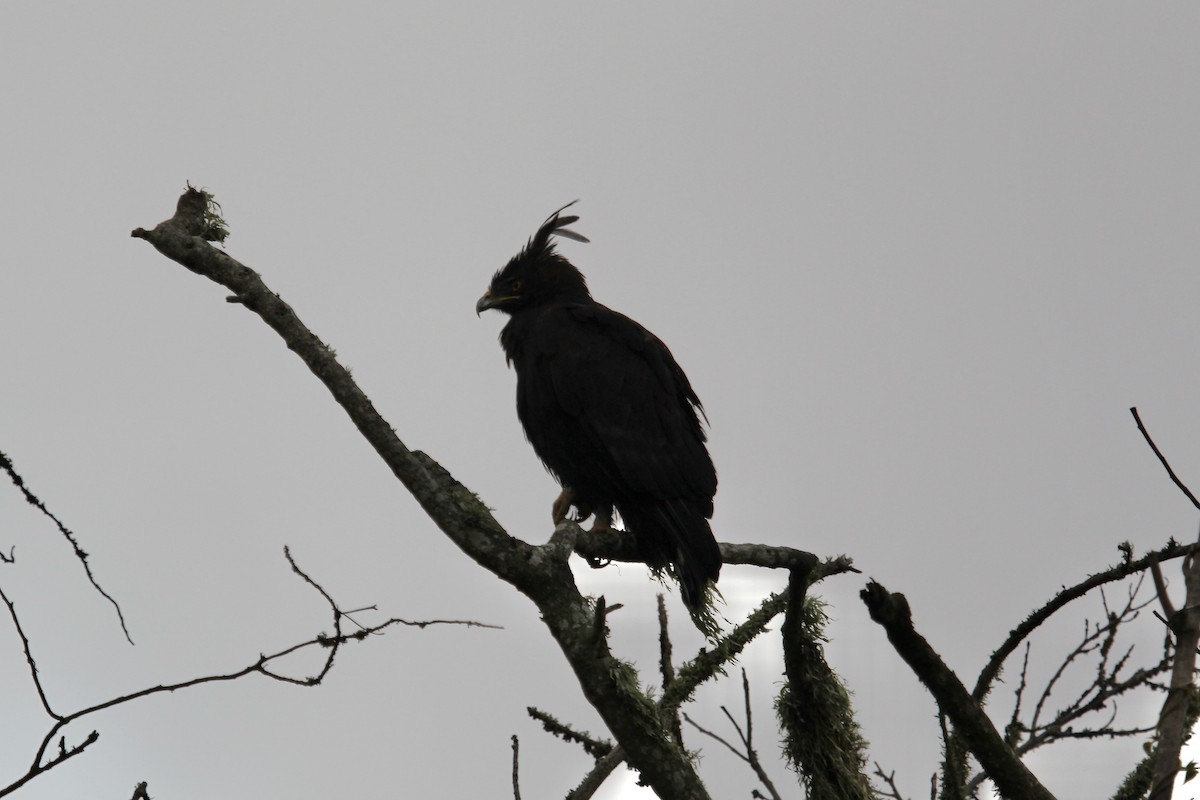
x=1162 y=459
x=1012 y=732
x=33 y=670
x=888 y=778
x=1160 y=588
x=1099 y=695
x=516 y=774
x=714 y=736
x=32 y=499
x=1126 y=568
x=1172 y=722
x=596 y=748
x=331 y=643
x=599 y=773
x=750 y=756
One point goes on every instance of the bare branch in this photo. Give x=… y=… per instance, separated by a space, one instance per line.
x=618 y=545
x=1010 y=775
x=33 y=670
x=709 y=661
x=1160 y=586
x=542 y=574
x=1162 y=459
x=7 y=465
x=594 y=779
x=889 y=780
x=665 y=667
x=1127 y=567
x=750 y=756
x=596 y=748
x=1173 y=721
x=714 y=737
x=516 y=773
x=1075 y=718
x=41 y=764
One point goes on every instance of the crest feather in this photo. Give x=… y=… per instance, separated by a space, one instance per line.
x=556 y=225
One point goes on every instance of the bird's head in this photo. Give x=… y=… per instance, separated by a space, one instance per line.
x=537 y=274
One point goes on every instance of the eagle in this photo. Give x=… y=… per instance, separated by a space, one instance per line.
x=609 y=412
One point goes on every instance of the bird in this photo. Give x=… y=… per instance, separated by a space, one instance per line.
x=609 y=412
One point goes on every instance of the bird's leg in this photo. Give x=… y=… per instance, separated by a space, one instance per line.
x=603 y=523
x=562 y=505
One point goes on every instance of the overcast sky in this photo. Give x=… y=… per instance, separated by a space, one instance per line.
x=918 y=261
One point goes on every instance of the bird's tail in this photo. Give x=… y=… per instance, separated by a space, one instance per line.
x=674 y=532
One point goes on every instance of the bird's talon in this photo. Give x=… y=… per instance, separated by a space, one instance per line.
x=561 y=506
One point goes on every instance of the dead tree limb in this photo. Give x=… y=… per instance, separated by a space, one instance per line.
x=1011 y=776
x=541 y=573
x=1173 y=721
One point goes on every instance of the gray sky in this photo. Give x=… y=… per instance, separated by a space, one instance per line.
x=917 y=260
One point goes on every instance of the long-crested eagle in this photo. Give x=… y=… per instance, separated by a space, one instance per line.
x=608 y=410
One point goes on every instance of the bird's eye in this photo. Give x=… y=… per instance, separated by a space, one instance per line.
x=515 y=286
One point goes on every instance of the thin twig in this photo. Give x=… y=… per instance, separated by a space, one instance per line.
x=33 y=670
x=888 y=778
x=32 y=499
x=1099 y=696
x=40 y=764
x=715 y=737
x=747 y=737
x=1161 y=458
x=1127 y=567
x=516 y=773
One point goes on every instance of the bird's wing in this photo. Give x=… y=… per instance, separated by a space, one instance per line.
x=633 y=414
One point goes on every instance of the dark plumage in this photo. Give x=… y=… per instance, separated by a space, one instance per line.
x=607 y=409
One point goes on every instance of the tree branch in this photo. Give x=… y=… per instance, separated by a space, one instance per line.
x=541 y=573
x=598 y=775
x=823 y=741
x=33 y=500
x=516 y=773
x=1011 y=776
x=1173 y=721
x=331 y=644
x=596 y=748
x=1127 y=567
x=751 y=755
x=665 y=667
x=1162 y=459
